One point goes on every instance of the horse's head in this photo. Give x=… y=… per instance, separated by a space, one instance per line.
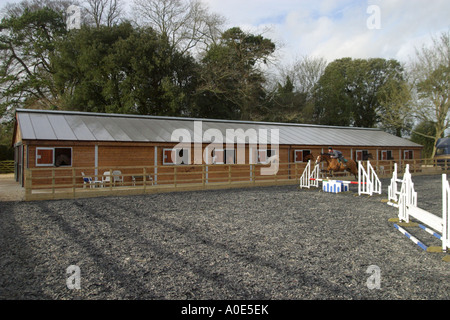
x=308 y=157
x=322 y=157
x=319 y=159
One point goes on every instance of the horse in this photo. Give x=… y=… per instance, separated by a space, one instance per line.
x=335 y=165
x=309 y=157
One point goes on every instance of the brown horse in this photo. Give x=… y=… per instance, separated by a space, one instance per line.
x=309 y=157
x=335 y=165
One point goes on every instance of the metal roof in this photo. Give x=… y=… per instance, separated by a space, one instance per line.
x=84 y=126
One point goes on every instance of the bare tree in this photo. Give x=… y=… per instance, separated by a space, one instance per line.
x=304 y=73
x=431 y=80
x=186 y=23
x=104 y=12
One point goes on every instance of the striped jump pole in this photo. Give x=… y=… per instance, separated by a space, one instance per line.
x=412 y=238
x=341 y=181
x=431 y=231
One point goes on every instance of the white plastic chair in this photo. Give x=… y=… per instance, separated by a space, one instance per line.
x=87 y=180
x=106 y=178
x=117 y=176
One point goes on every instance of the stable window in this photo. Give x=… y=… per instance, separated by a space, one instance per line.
x=221 y=156
x=408 y=155
x=299 y=155
x=362 y=155
x=47 y=157
x=63 y=157
x=264 y=155
x=218 y=156
x=386 y=155
x=230 y=156
x=178 y=156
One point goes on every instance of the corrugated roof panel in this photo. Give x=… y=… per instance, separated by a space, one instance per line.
x=132 y=128
x=288 y=135
x=161 y=129
x=145 y=129
x=114 y=128
x=233 y=132
x=61 y=127
x=338 y=137
x=79 y=128
x=97 y=129
x=42 y=127
x=26 y=127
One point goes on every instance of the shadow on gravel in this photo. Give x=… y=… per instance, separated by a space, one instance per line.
x=237 y=290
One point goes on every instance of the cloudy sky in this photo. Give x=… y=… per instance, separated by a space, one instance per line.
x=334 y=29
x=341 y=28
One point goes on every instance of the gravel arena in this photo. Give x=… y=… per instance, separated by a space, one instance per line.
x=264 y=243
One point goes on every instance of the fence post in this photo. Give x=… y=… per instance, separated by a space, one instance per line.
x=253 y=173
x=110 y=180
x=53 y=181
x=229 y=174
x=203 y=175
x=145 y=179
x=175 y=176
x=73 y=182
x=28 y=183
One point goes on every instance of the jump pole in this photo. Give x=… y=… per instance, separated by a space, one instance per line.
x=431 y=231
x=412 y=238
x=342 y=181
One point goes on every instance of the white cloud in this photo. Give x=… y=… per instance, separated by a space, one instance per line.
x=338 y=28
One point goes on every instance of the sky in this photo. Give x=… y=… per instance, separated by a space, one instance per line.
x=334 y=29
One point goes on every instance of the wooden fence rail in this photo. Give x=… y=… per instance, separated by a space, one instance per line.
x=7 y=166
x=78 y=182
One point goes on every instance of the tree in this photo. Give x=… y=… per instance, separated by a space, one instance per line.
x=423 y=134
x=285 y=104
x=331 y=98
x=231 y=72
x=305 y=73
x=104 y=12
x=186 y=24
x=348 y=93
x=123 y=69
x=26 y=45
x=431 y=80
x=394 y=112
x=17 y=9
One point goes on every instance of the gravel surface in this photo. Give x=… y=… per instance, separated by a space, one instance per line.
x=255 y=243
